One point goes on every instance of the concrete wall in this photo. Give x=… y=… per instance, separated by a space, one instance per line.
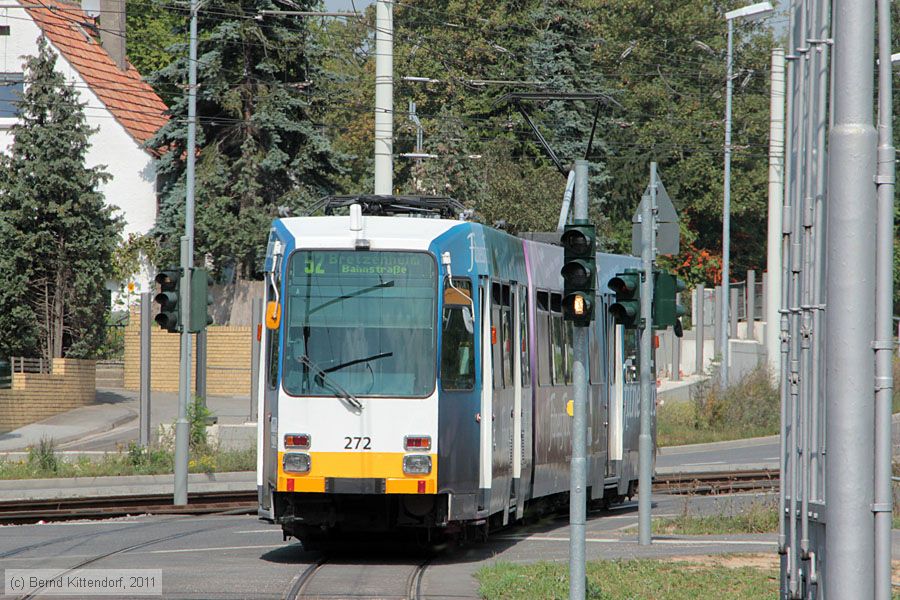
x=36 y=396
x=228 y=359
x=747 y=349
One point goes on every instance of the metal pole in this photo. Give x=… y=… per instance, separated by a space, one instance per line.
x=717 y=323
x=733 y=295
x=645 y=441
x=146 y=332
x=384 y=97
x=750 y=303
x=255 y=344
x=776 y=200
x=676 y=351
x=726 y=210
x=786 y=429
x=182 y=428
x=884 y=340
x=577 y=496
x=850 y=326
x=698 y=329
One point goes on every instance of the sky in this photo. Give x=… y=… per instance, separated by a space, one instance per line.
x=346 y=4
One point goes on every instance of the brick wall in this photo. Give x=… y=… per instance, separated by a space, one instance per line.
x=227 y=359
x=36 y=396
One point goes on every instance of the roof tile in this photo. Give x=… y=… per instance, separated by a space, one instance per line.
x=129 y=98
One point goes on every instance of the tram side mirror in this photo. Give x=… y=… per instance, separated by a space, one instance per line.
x=273 y=315
x=468 y=321
x=679 y=330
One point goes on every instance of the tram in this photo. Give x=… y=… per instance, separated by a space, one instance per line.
x=416 y=372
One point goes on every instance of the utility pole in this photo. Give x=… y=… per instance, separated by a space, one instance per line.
x=850 y=323
x=645 y=440
x=578 y=495
x=384 y=97
x=884 y=341
x=146 y=334
x=726 y=213
x=776 y=201
x=182 y=428
x=760 y=8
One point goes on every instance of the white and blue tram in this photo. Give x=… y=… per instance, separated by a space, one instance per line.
x=416 y=373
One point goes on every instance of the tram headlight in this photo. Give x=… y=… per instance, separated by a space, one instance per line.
x=296 y=462
x=417 y=464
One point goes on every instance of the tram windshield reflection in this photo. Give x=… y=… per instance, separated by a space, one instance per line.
x=365 y=318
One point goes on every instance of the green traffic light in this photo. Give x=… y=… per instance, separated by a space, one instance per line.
x=627 y=308
x=169 y=300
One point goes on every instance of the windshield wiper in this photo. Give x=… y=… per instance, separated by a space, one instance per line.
x=358 y=292
x=356 y=361
x=323 y=378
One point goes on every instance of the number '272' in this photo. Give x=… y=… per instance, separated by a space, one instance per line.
x=357 y=443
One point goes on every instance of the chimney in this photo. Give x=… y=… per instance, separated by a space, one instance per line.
x=112 y=30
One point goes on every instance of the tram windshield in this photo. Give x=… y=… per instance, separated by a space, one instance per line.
x=362 y=320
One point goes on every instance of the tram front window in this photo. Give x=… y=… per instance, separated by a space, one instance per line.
x=362 y=320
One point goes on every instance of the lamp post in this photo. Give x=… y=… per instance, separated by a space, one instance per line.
x=754 y=10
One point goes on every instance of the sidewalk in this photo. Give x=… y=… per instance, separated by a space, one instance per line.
x=113 y=421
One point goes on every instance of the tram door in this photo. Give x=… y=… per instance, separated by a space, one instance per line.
x=503 y=365
x=270 y=387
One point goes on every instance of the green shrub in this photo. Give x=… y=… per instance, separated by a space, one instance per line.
x=42 y=457
x=750 y=408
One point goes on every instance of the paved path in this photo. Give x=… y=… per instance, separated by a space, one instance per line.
x=113 y=421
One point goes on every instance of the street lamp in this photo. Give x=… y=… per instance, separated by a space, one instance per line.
x=754 y=10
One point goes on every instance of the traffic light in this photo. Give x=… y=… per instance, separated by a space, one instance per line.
x=579 y=266
x=200 y=300
x=169 y=299
x=627 y=308
x=666 y=310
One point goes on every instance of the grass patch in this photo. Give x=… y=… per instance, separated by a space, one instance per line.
x=633 y=579
x=750 y=408
x=758 y=517
x=44 y=463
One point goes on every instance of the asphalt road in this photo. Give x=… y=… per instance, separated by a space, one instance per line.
x=242 y=557
x=753 y=452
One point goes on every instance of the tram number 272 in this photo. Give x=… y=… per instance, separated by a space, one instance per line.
x=354 y=443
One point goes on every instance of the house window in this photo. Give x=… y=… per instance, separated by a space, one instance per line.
x=11 y=89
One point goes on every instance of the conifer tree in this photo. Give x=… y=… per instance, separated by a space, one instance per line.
x=259 y=150
x=57 y=236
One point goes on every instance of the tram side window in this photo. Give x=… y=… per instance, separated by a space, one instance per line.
x=631 y=362
x=458 y=336
x=596 y=354
x=543 y=338
x=523 y=336
x=558 y=335
x=507 y=349
x=496 y=335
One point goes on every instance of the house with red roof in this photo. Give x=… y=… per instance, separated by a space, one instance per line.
x=119 y=104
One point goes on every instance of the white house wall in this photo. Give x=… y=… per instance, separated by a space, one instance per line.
x=132 y=187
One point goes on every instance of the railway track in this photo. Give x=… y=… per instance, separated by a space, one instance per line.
x=17 y=512
x=67 y=509
x=325 y=578
x=714 y=483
